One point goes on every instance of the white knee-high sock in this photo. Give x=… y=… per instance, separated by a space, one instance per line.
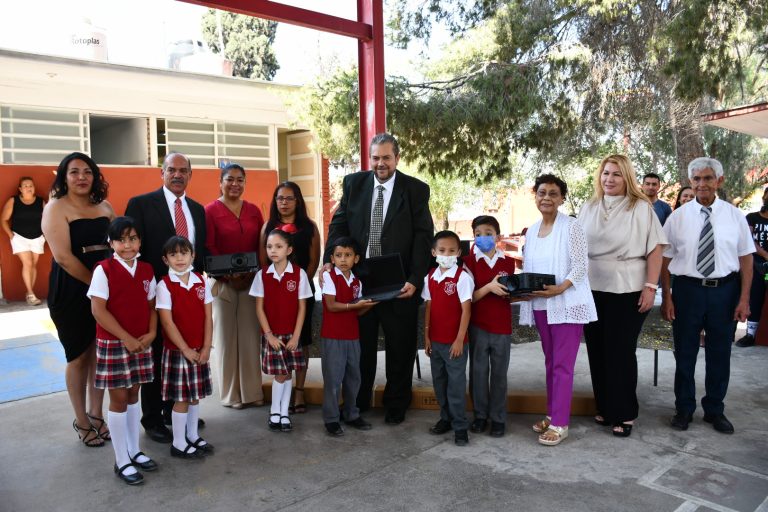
x=133 y=422
x=285 y=400
x=179 y=422
x=117 y=428
x=277 y=396
x=193 y=413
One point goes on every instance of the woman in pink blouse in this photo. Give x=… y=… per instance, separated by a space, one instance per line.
x=234 y=225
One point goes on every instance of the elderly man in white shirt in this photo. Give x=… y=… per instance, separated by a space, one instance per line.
x=710 y=257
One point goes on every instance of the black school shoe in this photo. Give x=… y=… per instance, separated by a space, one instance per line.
x=134 y=479
x=497 y=429
x=186 y=453
x=441 y=427
x=461 y=438
x=479 y=425
x=274 y=426
x=334 y=429
x=147 y=465
x=746 y=341
x=359 y=423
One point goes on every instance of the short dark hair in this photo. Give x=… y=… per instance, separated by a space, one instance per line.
x=177 y=244
x=225 y=169
x=119 y=226
x=26 y=178
x=550 y=179
x=385 y=138
x=99 y=187
x=652 y=175
x=446 y=234
x=486 y=219
x=347 y=242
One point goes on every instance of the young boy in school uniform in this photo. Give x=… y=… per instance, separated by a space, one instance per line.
x=490 y=327
x=340 y=337
x=448 y=295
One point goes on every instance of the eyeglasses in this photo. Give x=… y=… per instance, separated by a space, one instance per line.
x=285 y=199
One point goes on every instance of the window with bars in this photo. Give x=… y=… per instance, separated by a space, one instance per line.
x=213 y=143
x=41 y=136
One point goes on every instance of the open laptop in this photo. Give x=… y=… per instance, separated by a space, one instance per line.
x=382 y=276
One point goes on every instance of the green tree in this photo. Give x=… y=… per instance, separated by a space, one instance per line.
x=244 y=40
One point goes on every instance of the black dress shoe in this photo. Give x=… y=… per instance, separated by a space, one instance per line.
x=200 y=424
x=147 y=465
x=134 y=479
x=159 y=433
x=394 y=417
x=187 y=453
x=334 y=429
x=719 y=422
x=497 y=429
x=461 y=438
x=479 y=425
x=440 y=428
x=201 y=444
x=359 y=423
x=681 y=420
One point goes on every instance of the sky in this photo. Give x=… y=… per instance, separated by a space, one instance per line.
x=139 y=31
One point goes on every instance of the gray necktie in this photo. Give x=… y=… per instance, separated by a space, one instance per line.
x=705 y=259
x=377 y=219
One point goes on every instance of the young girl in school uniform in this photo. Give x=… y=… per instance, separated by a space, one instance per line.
x=184 y=306
x=281 y=292
x=122 y=294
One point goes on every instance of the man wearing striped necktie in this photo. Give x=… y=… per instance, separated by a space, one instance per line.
x=710 y=258
x=160 y=215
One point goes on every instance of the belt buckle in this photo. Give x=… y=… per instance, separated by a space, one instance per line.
x=709 y=283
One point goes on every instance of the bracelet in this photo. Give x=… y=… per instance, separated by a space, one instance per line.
x=652 y=286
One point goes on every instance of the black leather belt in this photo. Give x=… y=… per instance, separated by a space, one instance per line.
x=710 y=283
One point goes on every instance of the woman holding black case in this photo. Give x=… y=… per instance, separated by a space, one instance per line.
x=234 y=225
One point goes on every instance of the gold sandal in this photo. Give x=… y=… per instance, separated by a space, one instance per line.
x=541 y=426
x=553 y=436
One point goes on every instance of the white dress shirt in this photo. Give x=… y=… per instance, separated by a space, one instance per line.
x=329 y=287
x=733 y=238
x=389 y=185
x=464 y=286
x=170 y=198
x=257 y=287
x=164 y=300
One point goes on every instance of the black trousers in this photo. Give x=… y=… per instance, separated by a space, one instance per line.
x=398 y=319
x=153 y=408
x=611 y=345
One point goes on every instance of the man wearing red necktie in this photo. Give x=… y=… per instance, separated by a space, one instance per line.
x=160 y=215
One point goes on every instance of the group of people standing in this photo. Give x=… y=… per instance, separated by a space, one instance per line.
x=607 y=266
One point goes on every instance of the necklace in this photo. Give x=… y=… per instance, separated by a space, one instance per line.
x=609 y=206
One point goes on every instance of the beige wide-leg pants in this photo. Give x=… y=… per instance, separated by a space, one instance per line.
x=236 y=338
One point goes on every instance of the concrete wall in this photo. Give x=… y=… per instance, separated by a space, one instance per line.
x=124 y=183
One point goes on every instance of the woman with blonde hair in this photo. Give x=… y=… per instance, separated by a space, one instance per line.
x=625 y=242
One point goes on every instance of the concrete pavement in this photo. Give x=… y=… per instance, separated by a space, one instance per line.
x=44 y=468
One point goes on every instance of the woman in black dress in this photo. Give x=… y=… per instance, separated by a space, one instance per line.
x=75 y=224
x=288 y=212
x=21 y=222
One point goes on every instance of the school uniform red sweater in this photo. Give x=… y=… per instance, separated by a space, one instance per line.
x=127 y=297
x=491 y=313
x=445 y=308
x=188 y=312
x=341 y=325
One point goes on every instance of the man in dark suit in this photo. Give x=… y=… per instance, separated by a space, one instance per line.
x=387 y=212
x=160 y=215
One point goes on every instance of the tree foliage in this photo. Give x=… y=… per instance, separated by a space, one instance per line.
x=247 y=42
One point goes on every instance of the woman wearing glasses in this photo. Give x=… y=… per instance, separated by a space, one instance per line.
x=234 y=225
x=288 y=212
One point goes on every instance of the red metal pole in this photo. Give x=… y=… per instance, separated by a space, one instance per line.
x=371 y=76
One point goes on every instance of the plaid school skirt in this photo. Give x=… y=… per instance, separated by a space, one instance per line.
x=184 y=381
x=118 y=368
x=281 y=361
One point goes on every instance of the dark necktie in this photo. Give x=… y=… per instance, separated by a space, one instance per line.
x=377 y=220
x=705 y=259
x=181 y=220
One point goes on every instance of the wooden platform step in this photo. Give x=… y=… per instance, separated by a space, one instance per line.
x=518 y=401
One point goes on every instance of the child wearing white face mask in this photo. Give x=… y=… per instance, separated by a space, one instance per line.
x=448 y=295
x=184 y=306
